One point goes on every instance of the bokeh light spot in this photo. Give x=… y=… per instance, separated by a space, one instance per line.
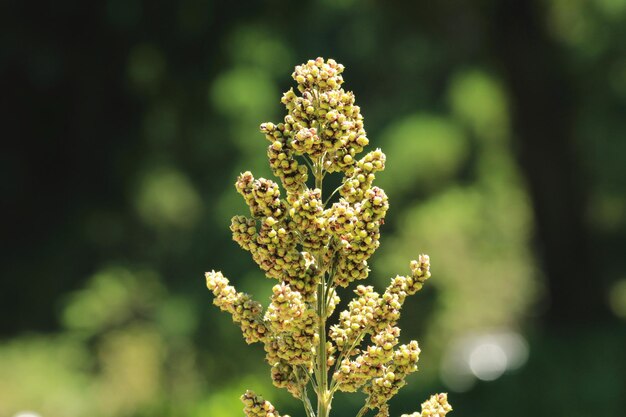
x=166 y=198
x=488 y=361
x=424 y=150
x=244 y=94
x=482 y=356
x=146 y=66
x=479 y=101
x=617 y=298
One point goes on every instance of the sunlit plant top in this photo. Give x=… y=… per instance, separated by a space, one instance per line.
x=313 y=247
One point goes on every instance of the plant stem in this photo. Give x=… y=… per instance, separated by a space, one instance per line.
x=323 y=394
x=307 y=403
x=332 y=194
x=323 y=400
x=363 y=410
x=304 y=397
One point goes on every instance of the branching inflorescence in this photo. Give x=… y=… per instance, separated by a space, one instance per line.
x=313 y=247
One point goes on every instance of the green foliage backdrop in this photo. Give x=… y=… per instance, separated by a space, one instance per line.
x=128 y=121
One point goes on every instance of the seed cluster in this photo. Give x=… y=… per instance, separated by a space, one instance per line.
x=436 y=406
x=241 y=306
x=313 y=247
x=384 y=368
x=356 y=218
x=292 y=322
x=256 y=406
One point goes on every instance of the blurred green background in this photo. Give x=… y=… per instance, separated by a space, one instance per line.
x=127 y=121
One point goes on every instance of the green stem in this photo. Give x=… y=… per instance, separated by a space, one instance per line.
x=332 y=194
x=304 y=397
x=324 y=397
x=323 y=393
x=311 y=380
x=306 y=160
x=363 y=410
x=307 y=404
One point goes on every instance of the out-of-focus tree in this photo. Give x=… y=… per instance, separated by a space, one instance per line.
x=124 y=118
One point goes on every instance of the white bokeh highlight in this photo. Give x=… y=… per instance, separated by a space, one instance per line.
x=27 y=414
x=484 y=356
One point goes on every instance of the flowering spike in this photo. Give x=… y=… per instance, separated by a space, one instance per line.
x=436 y=406
x=312 y=248
x=243 y=308
x=256 y=406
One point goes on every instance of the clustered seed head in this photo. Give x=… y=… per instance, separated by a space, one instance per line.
x=272 y=235
x=307 y=212
x=371 y=313
x=436 y=406
x=379 y=364
x=293 y=379
x=241 y=306
x=312 y=247
x=319 y=75
x=256 y=406
x=391 y=377
x=244 y=231
x=359 y=178
x=322 y=121
x=292 y=322
x=356 y=321
x=262 y=196
x=353 y=374
x=358 y=228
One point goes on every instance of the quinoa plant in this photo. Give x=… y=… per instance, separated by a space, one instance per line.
x=313 y=247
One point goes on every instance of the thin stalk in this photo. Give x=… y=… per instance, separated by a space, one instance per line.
x=330 y=287
x=308 y=407
x=307 y=403
x=323 y=395
x=312 y=380
x=332 y=194
x=363 y=410
x=306 y=160
x=330 y=290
